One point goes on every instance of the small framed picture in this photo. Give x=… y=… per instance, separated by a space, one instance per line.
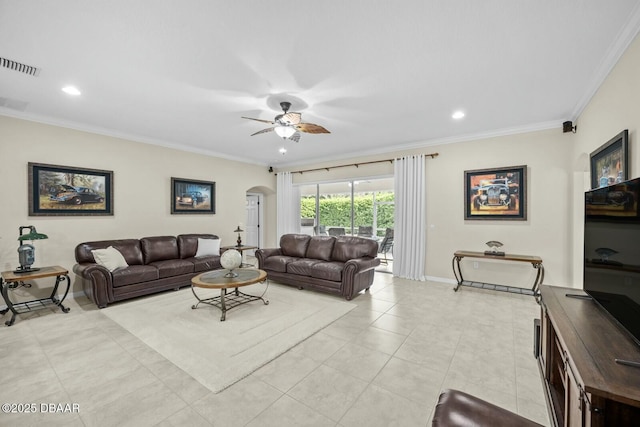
x=609 y=163
x=496 y=194
x=189 y=196
x=66 y=190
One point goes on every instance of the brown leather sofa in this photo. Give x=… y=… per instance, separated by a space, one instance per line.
x=155 y=264
x=342 y=265
x=458 y=409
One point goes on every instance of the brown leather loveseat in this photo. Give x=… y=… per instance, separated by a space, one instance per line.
x=153 y=264
x=342 y=265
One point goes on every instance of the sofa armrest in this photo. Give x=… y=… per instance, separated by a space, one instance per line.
x=361 y=265
x=97 y=282
x=263 y=254
x=358 y=275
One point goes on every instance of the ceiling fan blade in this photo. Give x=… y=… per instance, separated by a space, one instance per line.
x=295 y=137
x=311 y=128
x=263 y=131
x=259 y=120
x=291 y=118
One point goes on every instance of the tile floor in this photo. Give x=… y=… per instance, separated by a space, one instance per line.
x=382 y=364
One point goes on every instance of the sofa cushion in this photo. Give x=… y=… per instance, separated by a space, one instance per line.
x=188 y=243
x=349 y=247
x=302 y=266
x=110 y=258
x=134 y=274
x=320 y=247
x=328 y=271
x=294 y=245
x=205 y=263
x=159 y=248
x=129 y=248
x=277 y=263
x=208 y=247
x=173 y=267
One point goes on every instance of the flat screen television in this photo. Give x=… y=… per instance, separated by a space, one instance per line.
x=612 y=252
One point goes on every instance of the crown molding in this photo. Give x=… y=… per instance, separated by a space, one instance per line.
x=626 y=36
x=121 y=135
x=432 y=142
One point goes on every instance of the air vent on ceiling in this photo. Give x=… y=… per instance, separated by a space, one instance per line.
x=20 y=67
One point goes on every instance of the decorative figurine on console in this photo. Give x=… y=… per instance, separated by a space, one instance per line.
x=494 y=245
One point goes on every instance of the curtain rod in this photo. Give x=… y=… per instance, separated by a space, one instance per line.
x=328 y=168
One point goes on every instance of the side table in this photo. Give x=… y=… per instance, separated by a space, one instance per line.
x=9 y=278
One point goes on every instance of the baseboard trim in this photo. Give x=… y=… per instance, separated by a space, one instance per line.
x=441 y=279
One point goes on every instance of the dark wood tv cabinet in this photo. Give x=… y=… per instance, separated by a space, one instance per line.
x=579 y=343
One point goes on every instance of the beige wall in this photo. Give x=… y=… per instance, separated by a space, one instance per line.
x=614 y=107
x=142 y=178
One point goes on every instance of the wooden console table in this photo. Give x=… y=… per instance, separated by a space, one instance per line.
x=535 y=261
x=579 y=344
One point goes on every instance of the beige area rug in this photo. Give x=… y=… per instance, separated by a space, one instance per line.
x=218 y=354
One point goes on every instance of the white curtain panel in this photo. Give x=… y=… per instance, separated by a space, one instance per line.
x=288 y=205
x=410 y=246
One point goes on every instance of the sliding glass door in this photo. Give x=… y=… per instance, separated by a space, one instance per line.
x=358 y=207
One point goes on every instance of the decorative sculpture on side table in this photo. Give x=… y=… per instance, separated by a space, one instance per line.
x=494 y=245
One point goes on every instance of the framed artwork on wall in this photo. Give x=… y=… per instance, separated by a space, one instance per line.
x=66 y=190
x=609 y=163
x=496 y=194
x=189 y=196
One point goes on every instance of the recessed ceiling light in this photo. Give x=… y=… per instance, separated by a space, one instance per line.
x=71 y=90
x=283 y=151
x=458 y=115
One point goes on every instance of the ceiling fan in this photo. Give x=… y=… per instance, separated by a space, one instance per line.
x=289 y=125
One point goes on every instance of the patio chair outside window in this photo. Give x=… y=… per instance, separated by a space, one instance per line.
x=386 y=245
x=365 y=231
x=336 y=231
x=320 y=230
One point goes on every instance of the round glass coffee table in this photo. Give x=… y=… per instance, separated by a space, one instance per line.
x=228 y=300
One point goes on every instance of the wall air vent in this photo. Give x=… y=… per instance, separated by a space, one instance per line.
x=18 y=66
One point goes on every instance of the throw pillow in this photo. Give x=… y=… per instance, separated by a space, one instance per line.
x=208 y=247
x=110 y=258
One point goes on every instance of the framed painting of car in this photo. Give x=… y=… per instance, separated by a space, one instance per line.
x=189 y=196
x=496 y=194
x=66 y=190
x=609 y=163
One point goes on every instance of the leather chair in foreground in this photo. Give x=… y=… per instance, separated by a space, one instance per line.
x=458 y=409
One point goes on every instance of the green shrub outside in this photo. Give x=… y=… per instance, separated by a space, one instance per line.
x=335 y=211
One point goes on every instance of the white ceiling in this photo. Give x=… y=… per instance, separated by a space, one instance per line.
x=380 y=75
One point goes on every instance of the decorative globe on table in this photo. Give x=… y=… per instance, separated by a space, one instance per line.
x=231 y=259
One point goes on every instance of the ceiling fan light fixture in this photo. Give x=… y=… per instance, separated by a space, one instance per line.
x=284 y=131
x=288 y=125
